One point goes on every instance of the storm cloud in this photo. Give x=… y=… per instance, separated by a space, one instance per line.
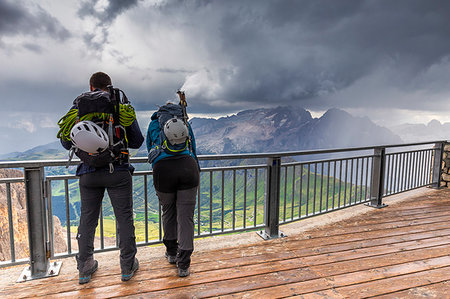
x=17 y=18
x=384 y=59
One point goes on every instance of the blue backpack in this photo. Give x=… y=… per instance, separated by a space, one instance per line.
x=165 y=113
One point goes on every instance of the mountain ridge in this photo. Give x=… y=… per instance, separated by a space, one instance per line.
x=283 y=128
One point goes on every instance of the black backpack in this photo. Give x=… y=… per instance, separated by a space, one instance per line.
x=105 y=109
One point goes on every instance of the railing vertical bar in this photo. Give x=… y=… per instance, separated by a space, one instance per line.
x=421 y=163
x=256 y=197
x=51 y=233
x=361 y=180
x=430 y=165
x=102 y=237
x=409 y=166
x=146 y=207
x=356 y=178
x=285 y=195
x=321 y=187
x=314 y=189
x=334 y=183
x=234 y=199
x=353 y=171
x=210 y=200
x=392 y=178
x=66 y=192
x=10 y=222
x=223 y=200
x=198 y=211
x=429 y=159
x=345 y=181
x=387 y=169
x=420 y=168
x=402 y=183
x=328 y=185
x=388 y=177
x=414 y=168
x=402 y=177
x=307 y=189
x=300 y=190
x=367 y=178
x=397 y=173
x=245 y=198
x=340 y=183
x=361 y=183
x=414 y=179
x=411 y=169
x=394 y=173
x=293 y=193
x=293 y=188
x=425 y=168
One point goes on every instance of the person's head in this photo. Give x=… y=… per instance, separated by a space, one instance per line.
x=99 y=80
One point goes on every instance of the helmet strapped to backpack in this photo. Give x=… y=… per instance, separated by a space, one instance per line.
x=101 y=141
x=89 y=137
x=176 y=131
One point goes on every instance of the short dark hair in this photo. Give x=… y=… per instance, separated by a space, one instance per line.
x=100 y=80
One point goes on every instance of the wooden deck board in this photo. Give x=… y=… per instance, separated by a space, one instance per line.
x=402 y=251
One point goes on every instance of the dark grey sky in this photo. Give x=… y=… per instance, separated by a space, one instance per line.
x=389 y=60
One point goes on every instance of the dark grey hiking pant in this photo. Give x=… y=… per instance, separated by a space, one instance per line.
x=178 y=216
x=92 y=189
x=176 y=181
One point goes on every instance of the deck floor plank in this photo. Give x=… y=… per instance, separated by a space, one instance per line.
x=402 y=251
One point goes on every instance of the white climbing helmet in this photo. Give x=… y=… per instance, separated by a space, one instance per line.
x=89 y=137
x=176 y=131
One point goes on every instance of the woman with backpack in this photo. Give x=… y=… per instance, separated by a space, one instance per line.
x=176 y=175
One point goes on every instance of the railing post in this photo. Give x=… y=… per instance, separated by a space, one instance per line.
x=437 y=165
x=36 y=214
x=377 y=183
x=272 y=200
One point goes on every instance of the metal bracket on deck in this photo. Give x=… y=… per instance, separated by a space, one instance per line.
x=266 y=236
x=53 y=270
x=376 y=206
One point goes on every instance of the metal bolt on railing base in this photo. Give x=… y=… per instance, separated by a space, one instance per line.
x=266 y=236
x=53 y=270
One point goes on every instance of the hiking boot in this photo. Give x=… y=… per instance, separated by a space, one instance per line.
x=172 y=259
x=183 y=272
x=126 y=275
x=85 y=273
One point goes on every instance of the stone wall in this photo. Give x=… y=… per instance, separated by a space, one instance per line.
x=445 y=179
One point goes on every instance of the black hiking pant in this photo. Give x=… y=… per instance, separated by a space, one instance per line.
x=176 y=181
x=92 y=189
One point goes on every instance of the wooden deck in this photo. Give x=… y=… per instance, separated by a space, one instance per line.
x=401 y=251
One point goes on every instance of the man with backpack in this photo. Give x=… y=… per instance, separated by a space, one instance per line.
x=176 y=176
x=99 y=129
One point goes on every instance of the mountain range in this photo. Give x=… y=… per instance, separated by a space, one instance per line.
x=284 y=128
x=433 y=131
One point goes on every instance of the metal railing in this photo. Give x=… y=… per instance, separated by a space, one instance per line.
x=252 y=192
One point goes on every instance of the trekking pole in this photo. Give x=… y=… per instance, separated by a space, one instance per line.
x=183 y=104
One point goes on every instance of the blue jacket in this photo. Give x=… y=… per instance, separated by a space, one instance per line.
x=135 y=140
x=153 y=140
